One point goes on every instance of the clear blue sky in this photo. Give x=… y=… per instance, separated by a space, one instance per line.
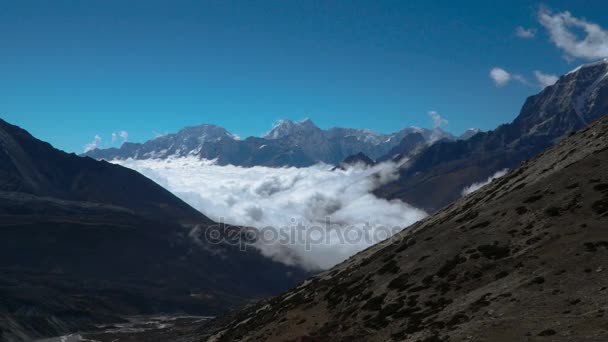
x=72 y=69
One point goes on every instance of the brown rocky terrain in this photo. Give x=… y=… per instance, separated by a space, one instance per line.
x=525 y=258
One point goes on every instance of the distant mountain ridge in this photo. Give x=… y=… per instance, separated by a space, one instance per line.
x=288 y=143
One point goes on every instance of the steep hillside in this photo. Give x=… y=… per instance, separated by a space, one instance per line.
x=31 y=166
x=522 y=259
x=84 y=242
x=436 y=177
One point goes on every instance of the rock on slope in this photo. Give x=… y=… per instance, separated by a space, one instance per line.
x=437 y=176
x=525 y=258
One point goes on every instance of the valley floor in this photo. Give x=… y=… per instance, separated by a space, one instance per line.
x=140 y=329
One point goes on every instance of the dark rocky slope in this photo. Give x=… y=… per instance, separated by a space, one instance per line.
x=31 y=166
x=359 y=159
x=436 y=176
x=525 y=258
x=84 y=242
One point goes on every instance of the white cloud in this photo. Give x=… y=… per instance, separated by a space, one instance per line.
x=263 y=197
x=502 y=77
x=561 y=28
x=545 y=80
x=525 y=33
x=476 y=186
x=93 y=144
x=438 y=121
x=124 y=135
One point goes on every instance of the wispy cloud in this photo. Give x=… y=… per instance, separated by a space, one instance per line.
x=476 y=186
x=524 y=33
x=502 y=77
x=438 y=121
x=563 y=29
x=93 y=144
x=124 y=135
x=545 y=80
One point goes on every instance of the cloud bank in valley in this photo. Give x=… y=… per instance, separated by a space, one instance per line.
x=263 y=197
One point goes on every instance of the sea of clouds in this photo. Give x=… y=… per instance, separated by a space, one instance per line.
x=333 y=203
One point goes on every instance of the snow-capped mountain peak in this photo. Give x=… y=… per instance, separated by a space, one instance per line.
x=205 y=133
x=469 y=133
x=601 y=61
x=285 y=127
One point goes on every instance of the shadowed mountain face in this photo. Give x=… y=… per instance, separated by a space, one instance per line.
x=522 y=259
x=84 y=242
x=359 y=159
x=410 y=144
x=30 y=166
x=287 y=144
x=436 y=176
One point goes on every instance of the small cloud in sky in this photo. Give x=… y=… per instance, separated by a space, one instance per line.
x=124 y=135
x=502 y=77
x=93 y=144
x=438 y=121
x=576 y=37
x=524 y=33
x=545 y=80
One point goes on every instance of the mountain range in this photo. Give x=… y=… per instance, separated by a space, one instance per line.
x=86 y=242
x=437 y=175
x=532 y=241
x=439 y=166
x=289 y=143
x=522 y=259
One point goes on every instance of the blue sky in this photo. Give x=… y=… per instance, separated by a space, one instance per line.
x=70 y=70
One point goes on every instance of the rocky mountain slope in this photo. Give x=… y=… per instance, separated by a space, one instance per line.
x=436 y=176
x=287 y=144
x=525 y=258
x=30 y=166
x=84 y=242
